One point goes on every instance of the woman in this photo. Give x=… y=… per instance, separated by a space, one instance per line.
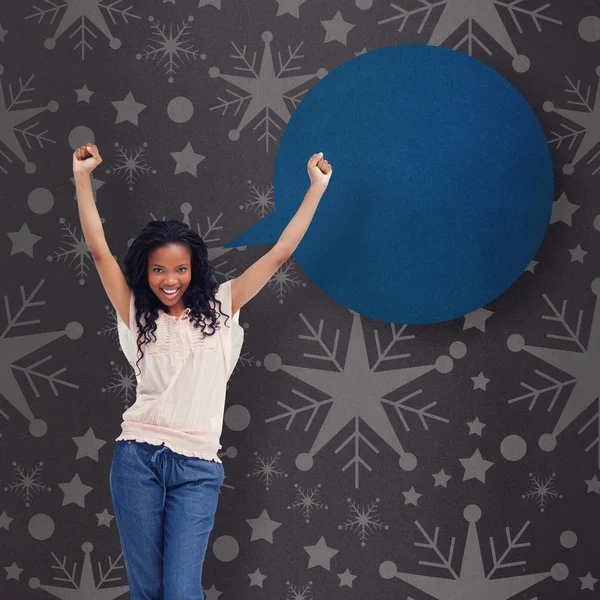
x=165 y=475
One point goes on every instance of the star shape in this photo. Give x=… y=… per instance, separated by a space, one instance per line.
x=104 y=518
x=441 y=479
x=577 y=253
x=13 y=571
x=291 y=7
x=212 y=593
x=337 y=29
x=346 y=578
x=593 y=484
x=187 y=160
x=88 y=445
x=128 y=109
x=480 y=382
x=477 y=319
x=84 y=94
x=562 y=210
x=587 y=582
x=263 y=527
x=256 y=578
x=5 y=520
x=475 y=466
x=23 y=240
x=475 y=426
x=75 y=491
x=411 y=497
x=320 y=554
x=3 y=33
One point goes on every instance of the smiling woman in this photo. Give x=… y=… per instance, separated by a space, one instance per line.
x=170 y=439
x=169 y=275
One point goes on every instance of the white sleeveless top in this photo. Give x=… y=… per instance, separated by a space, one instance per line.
x=181 y=388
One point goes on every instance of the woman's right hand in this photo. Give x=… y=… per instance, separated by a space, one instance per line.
x=86 y=158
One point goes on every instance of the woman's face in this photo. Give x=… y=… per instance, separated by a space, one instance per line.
x=170 y=269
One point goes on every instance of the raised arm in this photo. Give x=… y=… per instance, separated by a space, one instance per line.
x=255 y=277
x=85 y=160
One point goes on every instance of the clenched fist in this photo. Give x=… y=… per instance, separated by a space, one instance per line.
x=86 y=158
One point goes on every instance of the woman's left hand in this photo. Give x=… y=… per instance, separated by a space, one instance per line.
x=319 y=170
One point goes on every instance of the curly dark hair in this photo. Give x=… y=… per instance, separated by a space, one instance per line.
x=198 y=294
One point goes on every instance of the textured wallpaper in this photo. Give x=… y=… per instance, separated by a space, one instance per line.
x=498 y=410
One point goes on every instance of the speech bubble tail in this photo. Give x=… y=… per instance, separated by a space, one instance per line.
x=266 y=231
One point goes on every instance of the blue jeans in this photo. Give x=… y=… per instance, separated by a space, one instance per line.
x=165 y=505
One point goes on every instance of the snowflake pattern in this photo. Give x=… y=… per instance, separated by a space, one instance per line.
x=168 y=49
x=483 y=13
x=299 y=592
x=266 y=89
x=122 y=383
x=74 y=248
x=26 y=483
x=26 y=345
x=586 y=116
x=110 y=328
x=542 y=491
x=12 y=116
x=363 y=520
x=131 y=164
x=472 y=581
x=217 y=255
x=285 y=278
x=268 y=469
x=357 y=395
x=87 y=584
x=261 y=202
x=581 y=364
x=307 y=501
x=82 y=12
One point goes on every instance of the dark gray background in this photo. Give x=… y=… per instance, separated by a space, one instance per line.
x=60 y=361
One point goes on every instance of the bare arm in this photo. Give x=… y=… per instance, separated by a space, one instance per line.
x=88 y=214
x=292 y=235
x=113 y=280
x=255 y=277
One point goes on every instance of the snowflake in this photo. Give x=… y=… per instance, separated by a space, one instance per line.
x=168 y=48
x=582 y=365
x=87 y=586
x=266 y=89
x=285 y=278
x=76 y=249
x=484 y=13
x=363 y=520
x=110 y=329
x=267 y=469
x=23 y=346
x=77 y=11
x=542 y=491
x=587 y=117
x=262 y=202
x=28 y=483
x=131 y=164
x=299 y=593
x=12 y=117
x=122 y=383
x=472 y=581
x=307 y=501
x=217 y=255
x=357 y=395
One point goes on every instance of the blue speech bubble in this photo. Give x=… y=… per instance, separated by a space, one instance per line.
x=442 y=186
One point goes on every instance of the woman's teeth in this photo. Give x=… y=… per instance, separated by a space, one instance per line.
x=169 y=294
